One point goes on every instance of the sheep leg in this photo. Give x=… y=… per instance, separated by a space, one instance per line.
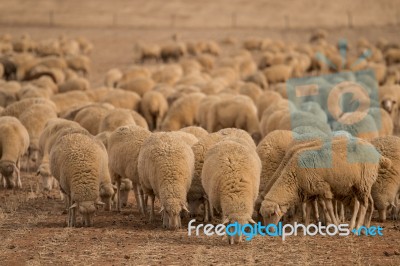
x=327 y=219
x=331 y=211
x=335 y=206
x=342 y=218
x=361 y=214
x=315 y=208
x=19 y=183
x=304 y=211
x=370 y=210
x=211 y=210
x=355 y=212
x=308 y=213
x=118 y=194
x=206 y=211
x=141 y=200
x=152 y=198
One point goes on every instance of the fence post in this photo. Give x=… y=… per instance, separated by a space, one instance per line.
x=349 y=19
x=234 y=20
x=51 y=18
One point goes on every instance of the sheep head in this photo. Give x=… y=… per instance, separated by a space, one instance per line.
x=271 y=212
x=106 y=195
x=126 y=186
x=240 y=219
x=171 y=210
x=47 y=178
x=87 y=210
x=9 y=171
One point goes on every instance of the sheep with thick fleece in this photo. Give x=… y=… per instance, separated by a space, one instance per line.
x=122 y=99
x=358 y=124
x=91 y=117
x=239 y=112
x=165 y=169
x=34 y=120
x=231 y=178
x=78 y=163
x=196 y=194
x=115 y=119
x=198 y=132
x=387 y=185
x=278 y=73
x=50 y=134
x=113 y=76
x=183 y=112
x=14 y=142
x=320 y=171
x=79 y=63
x=123 y=148
x=75 y=84
x=153 y=107
x=140 y=85
x=17 y=108
x=65 y=101
x=383 y=121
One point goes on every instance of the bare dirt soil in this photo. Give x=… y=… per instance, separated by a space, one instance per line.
x=33 y=232
x=32 y=227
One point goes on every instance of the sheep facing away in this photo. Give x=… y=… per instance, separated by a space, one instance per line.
x=124 y=145
x=231 y=177
x=77 y=162
x=14 y=142
x=165 y=169
x=387 y=185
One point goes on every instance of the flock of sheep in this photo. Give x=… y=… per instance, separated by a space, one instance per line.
x=206 y=127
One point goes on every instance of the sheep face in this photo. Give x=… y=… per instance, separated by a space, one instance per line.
x=126 y=186
x=271 y=212
x=10 y=173
x=106 y=195
x=389 y=105
x=240 y=219
x=47 y=178
x=196 y=208
x=33 y=154
x=171 y=214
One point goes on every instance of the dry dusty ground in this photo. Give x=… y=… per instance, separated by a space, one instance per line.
x=33 y=232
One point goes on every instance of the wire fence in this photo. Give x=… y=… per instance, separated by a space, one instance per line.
x=54 y=18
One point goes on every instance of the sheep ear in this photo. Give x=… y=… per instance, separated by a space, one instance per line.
x=73 y=206
x=185 y=208
x=162 y=209
x=252 y=221
x=278 y=210
x=98 y=202
x=226 y=221
x=393 y=205
x=114 y=187
x=37 y=173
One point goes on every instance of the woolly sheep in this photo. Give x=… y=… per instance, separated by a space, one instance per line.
x=198 y=132
x=358 y=124
x=266 y=100
x=91 y=117
x=182 y=113
x=231 y=177
x=251 y=90
x=383 y=121
x=65 y=101
x=150 y=52
x=79 y=63
x=76 y=84
x=153 y=107
x=301 y=170
x=172 y=51
x=115 y=119
x=385 y=189
x=17 y=108
x=169 y=74
x=34 y=120
x=78 y=162
x=113 y=76
x=169 y=182
x=259 y=79
x=122 y=99
x=278 y=73
x=140 y=85
x=124 y=145
x=239 y=112
x=103 y=137
x=52 y=130
x=14 y=142
x=196 y=194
